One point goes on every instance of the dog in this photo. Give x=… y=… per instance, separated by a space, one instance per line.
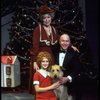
x=62 y=91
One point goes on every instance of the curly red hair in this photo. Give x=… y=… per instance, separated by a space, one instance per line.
x=46 y=55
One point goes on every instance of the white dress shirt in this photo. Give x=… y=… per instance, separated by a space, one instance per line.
x=61 y=60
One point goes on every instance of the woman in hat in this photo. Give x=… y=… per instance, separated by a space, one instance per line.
x=44 y=35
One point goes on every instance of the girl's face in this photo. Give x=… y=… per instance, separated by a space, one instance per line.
x=44 y=63
x=46 y=19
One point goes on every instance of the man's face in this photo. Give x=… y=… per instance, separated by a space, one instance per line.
x=64 y=41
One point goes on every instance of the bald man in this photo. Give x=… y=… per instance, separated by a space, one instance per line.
x=68 y=59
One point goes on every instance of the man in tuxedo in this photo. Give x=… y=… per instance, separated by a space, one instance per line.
x=68 y=59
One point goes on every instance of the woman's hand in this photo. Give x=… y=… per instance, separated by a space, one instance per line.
x=35 y=66
x=75 y=48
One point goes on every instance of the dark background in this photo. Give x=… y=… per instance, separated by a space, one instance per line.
x=92 y=28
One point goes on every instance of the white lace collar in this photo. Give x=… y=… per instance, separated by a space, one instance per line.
x=44 y=73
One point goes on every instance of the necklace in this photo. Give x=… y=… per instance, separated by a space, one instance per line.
x=48 y=30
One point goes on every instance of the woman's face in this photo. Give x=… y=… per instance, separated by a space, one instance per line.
x=46 y=19
x=44 y=63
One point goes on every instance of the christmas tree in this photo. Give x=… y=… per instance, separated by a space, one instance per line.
x=68 y=18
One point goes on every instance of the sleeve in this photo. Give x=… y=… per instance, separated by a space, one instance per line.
x=70 y=78
x=35 y=43
x=36 y=79
x=76 y=66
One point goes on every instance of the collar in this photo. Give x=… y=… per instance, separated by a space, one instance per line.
x=44 y=73
x=63 y=50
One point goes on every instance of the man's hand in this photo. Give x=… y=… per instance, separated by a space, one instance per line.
x=64 y=80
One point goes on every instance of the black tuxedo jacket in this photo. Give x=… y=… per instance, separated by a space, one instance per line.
x=71 y=62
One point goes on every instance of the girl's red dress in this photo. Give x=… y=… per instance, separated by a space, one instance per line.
x=43 y=80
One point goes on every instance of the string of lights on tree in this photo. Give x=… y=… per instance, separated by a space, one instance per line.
x=68 y=18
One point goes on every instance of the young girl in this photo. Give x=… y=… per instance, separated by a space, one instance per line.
x=42 y=80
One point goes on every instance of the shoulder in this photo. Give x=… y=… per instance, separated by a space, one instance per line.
x=36 y=31
x=36 y=73
x=36 y=28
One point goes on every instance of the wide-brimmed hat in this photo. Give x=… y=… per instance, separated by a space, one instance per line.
x=44 y=9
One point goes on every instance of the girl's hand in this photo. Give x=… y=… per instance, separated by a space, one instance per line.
x=55 y=85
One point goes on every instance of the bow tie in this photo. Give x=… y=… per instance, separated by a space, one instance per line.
x=62 y=51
